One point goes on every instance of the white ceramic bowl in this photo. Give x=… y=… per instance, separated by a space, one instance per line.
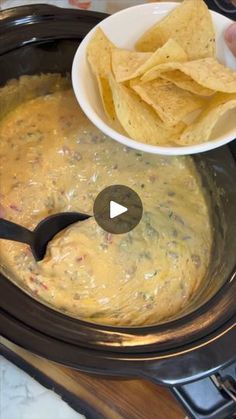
x=123 y=29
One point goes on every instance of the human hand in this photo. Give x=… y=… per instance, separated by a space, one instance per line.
x=230 y=38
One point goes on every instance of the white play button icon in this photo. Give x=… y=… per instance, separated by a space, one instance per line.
x=116 y=209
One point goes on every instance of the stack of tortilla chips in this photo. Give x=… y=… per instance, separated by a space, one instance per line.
x=171 y=90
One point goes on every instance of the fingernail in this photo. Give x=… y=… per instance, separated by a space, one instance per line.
x=230 y=34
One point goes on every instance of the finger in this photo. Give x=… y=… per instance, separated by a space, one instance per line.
x=230 y=38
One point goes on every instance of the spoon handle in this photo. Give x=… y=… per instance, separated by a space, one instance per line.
x=15 y=232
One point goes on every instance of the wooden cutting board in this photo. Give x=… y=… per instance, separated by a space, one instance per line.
x=94 y=396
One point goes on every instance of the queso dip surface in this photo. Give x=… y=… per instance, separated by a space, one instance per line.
x=53 y=160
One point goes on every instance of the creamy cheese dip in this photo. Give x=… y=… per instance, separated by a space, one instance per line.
x=53 y=159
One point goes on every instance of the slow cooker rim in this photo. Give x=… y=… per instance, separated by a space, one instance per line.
x=175 y=368
x=39 y=13
x=41 y=10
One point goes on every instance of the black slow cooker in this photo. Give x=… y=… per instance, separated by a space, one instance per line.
x=195 y=355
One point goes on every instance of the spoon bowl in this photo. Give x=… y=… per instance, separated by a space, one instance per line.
x=42 y=234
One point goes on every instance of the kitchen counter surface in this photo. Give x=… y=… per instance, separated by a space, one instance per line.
x=94 y=396
x=22 y=397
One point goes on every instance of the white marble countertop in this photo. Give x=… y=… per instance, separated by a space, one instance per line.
x=21 y=397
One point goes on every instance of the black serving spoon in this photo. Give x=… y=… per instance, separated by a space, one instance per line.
x=43 y=233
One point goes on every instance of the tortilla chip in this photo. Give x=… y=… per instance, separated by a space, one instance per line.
x=108 y=104
x=158 y=82
x=127 y=64
x=207 y=72
x=170 y=52
x=99 y=53
x=101 y=67
x=201 y=129
x=106 y=96
x=139 y=120
x=170 y=102
x=190 y=24
x=186 y=83
x=135 y=81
